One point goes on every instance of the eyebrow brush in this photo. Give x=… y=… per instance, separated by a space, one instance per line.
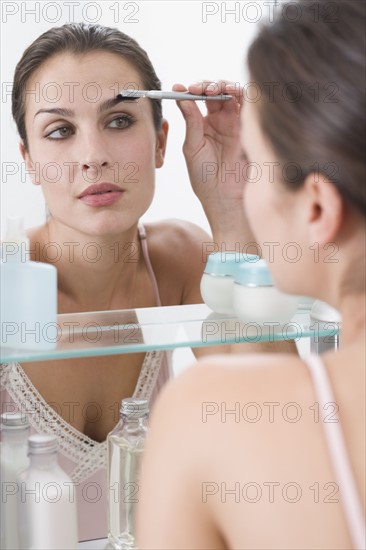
x=158 y=94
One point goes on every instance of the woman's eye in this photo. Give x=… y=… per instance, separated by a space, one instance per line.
x=121 y=122
x=59 y=133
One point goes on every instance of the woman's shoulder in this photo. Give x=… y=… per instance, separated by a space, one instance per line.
x=266 y=377
x=262 y=398
x=255 y=425
x=244 y=378
x=177 y=253
x=169 y=234
x=232 y=394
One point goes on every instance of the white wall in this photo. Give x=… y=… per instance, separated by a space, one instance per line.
x=186 y=40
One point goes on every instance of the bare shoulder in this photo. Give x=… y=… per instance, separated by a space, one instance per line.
x=251 y=422
x=174 y=236
x=267 y=394
x=257 y=386
x=242 y=377
x=239 y=400
x=177 y=251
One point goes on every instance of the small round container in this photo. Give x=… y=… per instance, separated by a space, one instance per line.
x=218 y=279
x=257 y=300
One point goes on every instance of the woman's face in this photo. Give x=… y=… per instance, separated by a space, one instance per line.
x=273 y=211
x=78 y=140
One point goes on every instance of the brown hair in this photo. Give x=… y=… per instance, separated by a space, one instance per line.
x=79 y=38
x=310 y=67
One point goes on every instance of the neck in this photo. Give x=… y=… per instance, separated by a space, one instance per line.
x=91 y=269
x=353 y=311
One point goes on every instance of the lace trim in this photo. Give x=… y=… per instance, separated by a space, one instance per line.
x=88 y=455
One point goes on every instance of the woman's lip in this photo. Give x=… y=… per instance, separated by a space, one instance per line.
x=99 y=188
x=103 y=199
x=101 y=194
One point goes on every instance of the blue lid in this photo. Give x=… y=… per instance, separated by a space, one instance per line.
x=226 y=263
x=253 y=273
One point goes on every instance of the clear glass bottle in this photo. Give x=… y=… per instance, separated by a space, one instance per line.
x=125 y=448
x=46 y=500
x=13 y=458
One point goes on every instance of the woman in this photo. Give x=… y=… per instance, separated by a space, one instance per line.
x=95 y=159
x=264 y=464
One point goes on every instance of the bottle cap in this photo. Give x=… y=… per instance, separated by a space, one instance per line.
x=42 y=444
x=14 y=420
x=226 y=263
x=253 y=274
x=134 y=408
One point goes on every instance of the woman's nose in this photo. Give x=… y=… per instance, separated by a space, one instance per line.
x=94 y=155
x=93 y=165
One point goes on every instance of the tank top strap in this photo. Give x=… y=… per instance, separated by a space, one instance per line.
x=338 y=453
x=145 y=252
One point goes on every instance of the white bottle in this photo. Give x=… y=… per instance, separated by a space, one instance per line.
x=13 y=459
x=28 y=301
x=46 y=499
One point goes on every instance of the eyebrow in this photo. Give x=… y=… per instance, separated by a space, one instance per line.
x=108 y=104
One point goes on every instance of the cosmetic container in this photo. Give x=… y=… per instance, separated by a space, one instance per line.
x=13 y=459
x=46 y=499
x=257 y=300
x=125 y=449
x=28 y=300
x=218 y=279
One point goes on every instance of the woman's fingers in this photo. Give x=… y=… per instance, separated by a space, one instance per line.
x=194 y=122
x=210 y=88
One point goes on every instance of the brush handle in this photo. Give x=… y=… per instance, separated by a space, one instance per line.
x=158 y=94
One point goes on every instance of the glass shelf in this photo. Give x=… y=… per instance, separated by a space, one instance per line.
x=161 y=328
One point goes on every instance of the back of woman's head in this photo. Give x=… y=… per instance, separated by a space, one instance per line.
x=78 y=39
x=310 y=66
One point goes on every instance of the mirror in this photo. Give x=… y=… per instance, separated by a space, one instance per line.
x=186 y=42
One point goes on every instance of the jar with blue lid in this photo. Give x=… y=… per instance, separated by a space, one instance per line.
x=218 y=279
x=256 y=299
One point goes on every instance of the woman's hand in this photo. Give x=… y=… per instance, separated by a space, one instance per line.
x=215 y=160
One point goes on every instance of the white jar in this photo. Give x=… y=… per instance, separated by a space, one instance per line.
x=218 y=279
x=257 y=300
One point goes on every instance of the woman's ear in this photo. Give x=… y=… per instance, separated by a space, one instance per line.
x=325 y=208
x=29 y=164
x=161 y=142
